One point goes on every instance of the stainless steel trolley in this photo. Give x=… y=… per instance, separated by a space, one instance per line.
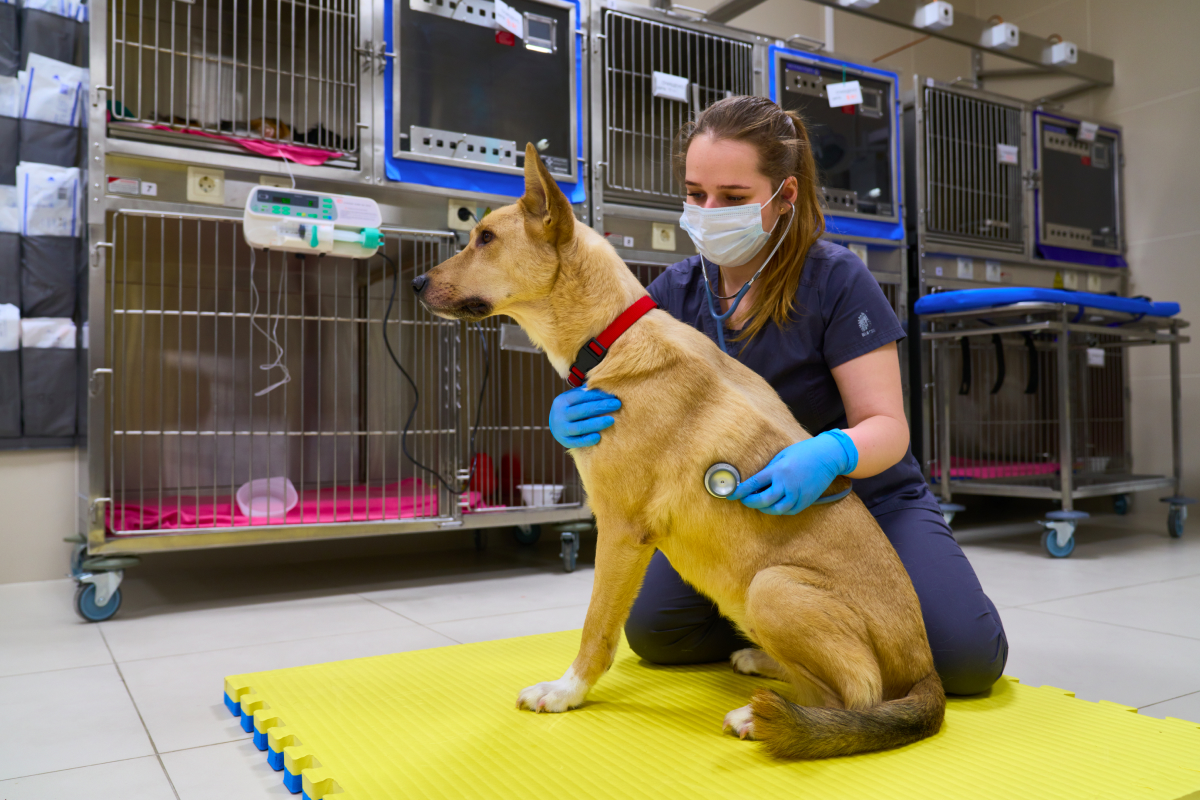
x=1056 y=430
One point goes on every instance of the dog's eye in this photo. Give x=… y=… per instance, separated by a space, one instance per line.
x=486 y=236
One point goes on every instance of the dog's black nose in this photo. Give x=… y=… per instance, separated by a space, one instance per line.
x=419 y=283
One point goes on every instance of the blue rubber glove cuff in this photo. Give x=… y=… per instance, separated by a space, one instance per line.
x=799 y=474
x=848 y=447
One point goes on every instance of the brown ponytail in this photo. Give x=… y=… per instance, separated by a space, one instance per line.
x=781 y=140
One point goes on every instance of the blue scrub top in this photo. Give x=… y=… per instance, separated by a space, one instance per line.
x=840 y=313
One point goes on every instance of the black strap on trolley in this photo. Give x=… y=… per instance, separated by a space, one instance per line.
x=999 y=345
x=1031 y=384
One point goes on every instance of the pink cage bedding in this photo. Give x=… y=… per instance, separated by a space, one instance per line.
x=411 y=498
x=982 y=469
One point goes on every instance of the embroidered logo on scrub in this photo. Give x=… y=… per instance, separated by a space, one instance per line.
x=864 y=324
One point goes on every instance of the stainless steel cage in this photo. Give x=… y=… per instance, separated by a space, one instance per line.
x=971 y=159
x=214 y=366
x=286 y=72
x=1030 y=401
x=657 y=75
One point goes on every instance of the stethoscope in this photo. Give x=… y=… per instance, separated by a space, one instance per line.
x=722 y=479
x=737 y=298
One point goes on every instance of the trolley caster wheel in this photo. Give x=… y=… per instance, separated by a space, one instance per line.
x=89 y=609
x=570 y=550
x=1175 y=519
x=1121 y=504
x=1050 y=542
x=528 y=534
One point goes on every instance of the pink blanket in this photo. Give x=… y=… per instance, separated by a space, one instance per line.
x=981 y=469
x=297 y=154
x=410 y=499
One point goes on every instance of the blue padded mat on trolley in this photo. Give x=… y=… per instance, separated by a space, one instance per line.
x=972 y=299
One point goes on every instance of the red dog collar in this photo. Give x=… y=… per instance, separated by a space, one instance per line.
x=595 y=350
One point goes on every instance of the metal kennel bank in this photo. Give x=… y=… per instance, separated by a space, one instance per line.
x=211 y=367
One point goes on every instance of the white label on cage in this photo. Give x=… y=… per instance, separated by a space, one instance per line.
x=1095 y=356
x=859 y=250
x=844 y=94
x=1007 y=153
x=1070 y=280
x=991 y=271
x=966 y=269
x=509 y=19
x=937 y=271
x=149 y=189
x=1087 y=131
x=670 y=87
x=123 y=185
x=1093 y=284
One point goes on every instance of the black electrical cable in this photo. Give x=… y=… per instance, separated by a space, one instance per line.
x=417 y=395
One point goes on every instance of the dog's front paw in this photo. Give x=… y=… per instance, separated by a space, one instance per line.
x=553 y=696
x=740 y=722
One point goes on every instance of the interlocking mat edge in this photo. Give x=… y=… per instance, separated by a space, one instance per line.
x=442 y=723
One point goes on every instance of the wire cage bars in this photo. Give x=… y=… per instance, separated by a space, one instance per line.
x=640 y=121
x=280 y=71
x=1004 y=419
x=972 y=171
x=231 y=366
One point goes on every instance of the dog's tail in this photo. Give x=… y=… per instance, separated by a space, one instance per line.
x=791 y=731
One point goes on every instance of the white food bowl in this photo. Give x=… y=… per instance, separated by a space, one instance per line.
x=540 y=494
x=267 y=497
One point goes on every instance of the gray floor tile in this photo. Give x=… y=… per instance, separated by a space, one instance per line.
x=232 y=771
x=1163 y=606
x=135 y=779
x=1186 y=707
x=65 y=719
x=40 y=630
x=505 y=626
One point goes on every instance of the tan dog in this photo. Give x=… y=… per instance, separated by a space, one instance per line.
x=822 y=592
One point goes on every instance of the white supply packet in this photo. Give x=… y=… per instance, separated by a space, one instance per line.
x=10 y=210
x=83 y=337
x=10 y=96
x=10 y=327
x=49 y=197
x=53 y=91
x=63 y=8
x=44 y=333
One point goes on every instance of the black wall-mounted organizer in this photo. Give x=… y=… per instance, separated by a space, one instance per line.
x=42 y=391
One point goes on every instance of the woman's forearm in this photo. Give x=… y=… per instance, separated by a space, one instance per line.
x=881 y=441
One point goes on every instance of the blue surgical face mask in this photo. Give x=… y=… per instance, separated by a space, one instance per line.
x=729 y=236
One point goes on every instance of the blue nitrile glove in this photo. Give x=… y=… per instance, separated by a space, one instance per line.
x=578 y=415
x=799 y=474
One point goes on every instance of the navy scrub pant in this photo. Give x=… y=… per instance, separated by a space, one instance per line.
x=672 y=623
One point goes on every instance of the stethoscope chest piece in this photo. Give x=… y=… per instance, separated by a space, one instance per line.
x=721 y=480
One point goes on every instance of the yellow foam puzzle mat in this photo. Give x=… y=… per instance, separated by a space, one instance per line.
x=443 y=723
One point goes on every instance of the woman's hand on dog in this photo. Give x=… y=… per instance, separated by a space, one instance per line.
x=798 y=474
x=578 y=415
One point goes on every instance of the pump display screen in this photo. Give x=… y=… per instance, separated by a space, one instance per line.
x=852 y=145
x=294 y=204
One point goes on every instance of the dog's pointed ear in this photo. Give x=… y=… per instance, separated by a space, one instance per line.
x=544 y=203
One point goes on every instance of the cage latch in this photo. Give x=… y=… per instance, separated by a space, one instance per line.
x=93 y=389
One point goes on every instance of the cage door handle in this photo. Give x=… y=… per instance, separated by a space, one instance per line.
x=96 y=92
x=92 y=382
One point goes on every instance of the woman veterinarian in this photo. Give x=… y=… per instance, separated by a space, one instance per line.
x=813 y=322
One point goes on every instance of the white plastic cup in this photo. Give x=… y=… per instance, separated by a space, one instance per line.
x=267 y=497
x=540 y=494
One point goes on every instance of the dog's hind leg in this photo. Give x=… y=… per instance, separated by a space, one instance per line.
x=621 y=560
x=815 y=637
